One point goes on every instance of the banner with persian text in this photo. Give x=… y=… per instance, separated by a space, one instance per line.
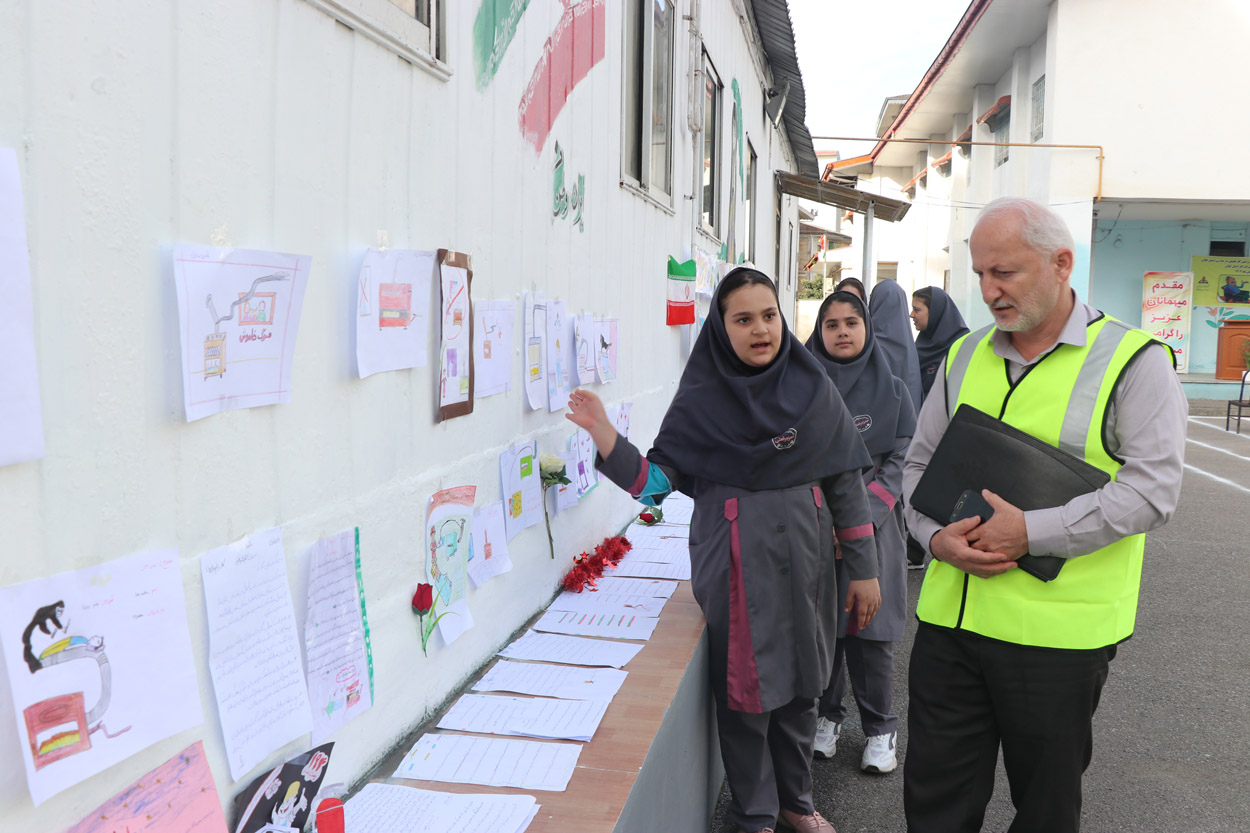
x=1167 y=298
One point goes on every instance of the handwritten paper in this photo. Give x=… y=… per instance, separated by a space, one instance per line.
x=393 y=310
x=238 y=314
x=570 y=650
x=254 y=653
x=336 y=635
x=610 y=625
x=100 y=666
x=21 y=416
x=389 y=808
x=637 y=586
x=490 y=544
x=534 y=351
x=561 y=681
x=660 y=550
x=600 y=602
x=492 y=347
x=493 y=762
x=558 y=333
x=649 y=569
x=179 y=795
x=521 y=487
x=539 y=718
x=455 y=373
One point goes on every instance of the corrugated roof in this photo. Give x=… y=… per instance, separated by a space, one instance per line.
x=772 y=21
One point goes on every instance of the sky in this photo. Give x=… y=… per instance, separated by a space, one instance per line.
x=854 y=55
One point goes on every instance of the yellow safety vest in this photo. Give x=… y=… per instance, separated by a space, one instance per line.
x=1062 y=400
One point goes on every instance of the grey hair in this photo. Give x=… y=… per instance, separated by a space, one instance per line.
x=1043 y=230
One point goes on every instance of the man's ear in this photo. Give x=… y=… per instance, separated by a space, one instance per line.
x=1063 y=259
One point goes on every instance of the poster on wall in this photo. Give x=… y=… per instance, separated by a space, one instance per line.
x=492 y=347
x=534 y=350
x=521 y=487
x=1167 y=298
x=455 y=376
x=238 y=315
x=21 y=415
x=1220 y=280
x=392 y=310
x=606 y=331
x=558 y=352
x=100 y=666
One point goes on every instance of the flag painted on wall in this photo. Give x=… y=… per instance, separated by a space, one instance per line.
x=680 y=292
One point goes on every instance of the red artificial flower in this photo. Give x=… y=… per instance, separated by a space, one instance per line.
x=423 y=599
x=647 y=517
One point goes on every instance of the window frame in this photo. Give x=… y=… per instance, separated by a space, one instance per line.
x=748 y=247
x=1037 y=114
x=387 y=23
x=645 y=90
x=711 y=132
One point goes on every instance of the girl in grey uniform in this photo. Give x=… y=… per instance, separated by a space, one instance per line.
x=759 y=437
x=882 y=411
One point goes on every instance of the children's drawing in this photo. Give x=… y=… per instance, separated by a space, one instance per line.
x=535 y=349
x=21 y=414
x=492 y=347
x=574 y=48
x=283 y=796
x=558 y=352
x=584 y=347
x=490 y=544
x=239 y=355
x=177 y=795
x=449 y=525
x=605 y=349
x=586 y=476
x=455 y=387
x=392 y=310
x=78 y=649
x=522 y=488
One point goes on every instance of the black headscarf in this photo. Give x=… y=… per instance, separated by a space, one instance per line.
x=756 y=428
x=945 y=325
x=888 y=307
x=878 y=401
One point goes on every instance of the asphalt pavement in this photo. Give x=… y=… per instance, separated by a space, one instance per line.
x=1172 y=734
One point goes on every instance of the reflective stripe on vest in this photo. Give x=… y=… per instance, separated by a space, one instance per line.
x=1062 y=400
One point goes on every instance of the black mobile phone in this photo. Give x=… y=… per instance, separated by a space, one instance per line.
x=971 y=503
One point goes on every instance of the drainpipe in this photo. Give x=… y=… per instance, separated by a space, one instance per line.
x=870 y=273
x=694 y=120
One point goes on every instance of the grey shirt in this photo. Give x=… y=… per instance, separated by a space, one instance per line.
x=1145 y=427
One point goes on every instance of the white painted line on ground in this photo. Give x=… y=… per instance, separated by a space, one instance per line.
x=1218 y=479
x=1217 y=448
x=1220 y=428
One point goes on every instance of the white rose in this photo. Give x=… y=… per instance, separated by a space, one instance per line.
x=550 y=463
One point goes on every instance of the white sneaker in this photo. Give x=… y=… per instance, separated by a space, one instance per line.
x=827 y=733
x=879 y=754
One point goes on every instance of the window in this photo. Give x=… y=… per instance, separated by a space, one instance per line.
x=711 y=135
x=1038 y=118
x=646 y=147
x=887 y=270
x=420 y=9
x=415 y=34
x=1228 y=248
x=748 y=247
x=1002 y=133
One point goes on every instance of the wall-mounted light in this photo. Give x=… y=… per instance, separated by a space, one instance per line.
x=775 y=103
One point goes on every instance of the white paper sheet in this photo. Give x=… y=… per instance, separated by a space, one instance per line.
x=623 y=412
x=530 y=717
x=21 y=415
x=599 y=602
x=521 y=487
x=637 y=586
x=393 y=310
x=564 y=495
x=456 y=622
x=107 y=675
x=584 y=348
x=389 y=808
x=562 y=681
x=657 y=535
x=583 y=474
x=238 y=316
x=609 y=625
x=534 y=350
x=570 y=650
x=254 y=653
x=490 y=544
x=494 y=322
x=337 y=643
x=606 y=332
x=558 y=334
x=456 y=352
x=660 y=551
x=493 y=762
x=650 y=569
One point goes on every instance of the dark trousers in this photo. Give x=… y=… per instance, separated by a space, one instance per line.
x=968 y=695
x=870 y=666
x=768 y=761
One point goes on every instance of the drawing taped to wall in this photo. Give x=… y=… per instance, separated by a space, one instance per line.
x=606 y=331
x=392 y=310
x=559 y=330
x=535 y=347
x=492 y=347
x=79 y=650
x=574 y=48
x=455 y=385
x=237 y=355
x=521 y=487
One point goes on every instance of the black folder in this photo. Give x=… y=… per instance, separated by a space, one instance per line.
x=981 y=452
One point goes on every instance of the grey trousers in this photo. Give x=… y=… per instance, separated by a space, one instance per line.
x=870 y=665
x=768 y=761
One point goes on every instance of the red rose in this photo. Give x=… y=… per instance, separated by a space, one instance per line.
x=423 y=599
x=646 y=517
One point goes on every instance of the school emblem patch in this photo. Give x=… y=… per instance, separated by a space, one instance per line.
x=786 y=440
x=863 y=422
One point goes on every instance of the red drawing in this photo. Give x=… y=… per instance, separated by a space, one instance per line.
x=577 y=44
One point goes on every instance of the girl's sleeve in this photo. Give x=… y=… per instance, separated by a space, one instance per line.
x=852 y=523
x=886 y=488
x=645 y=481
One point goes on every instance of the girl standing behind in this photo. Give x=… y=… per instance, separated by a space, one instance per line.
x=759 y=437
x=882 y=410
x=888 y=307
x=939 y=323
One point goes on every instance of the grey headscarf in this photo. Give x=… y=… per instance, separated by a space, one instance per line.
x=888 y=307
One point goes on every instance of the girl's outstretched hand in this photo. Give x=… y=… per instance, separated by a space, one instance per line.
x=588 y=413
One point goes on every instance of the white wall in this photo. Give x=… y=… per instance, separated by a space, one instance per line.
x=267 y=124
